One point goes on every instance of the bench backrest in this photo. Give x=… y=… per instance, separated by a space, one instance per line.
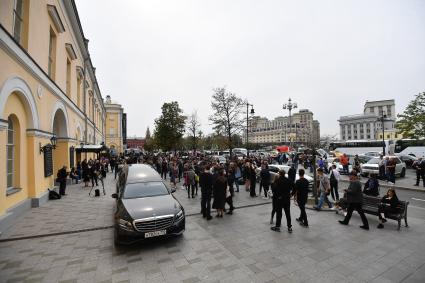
x=375 y=201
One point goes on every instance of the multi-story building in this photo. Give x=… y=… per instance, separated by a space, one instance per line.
x=50 y=101
x=301 y=129
x=368 y=126
x=114 y=126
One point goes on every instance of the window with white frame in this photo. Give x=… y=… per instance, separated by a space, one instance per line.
x=18 y=15
x=10 y=153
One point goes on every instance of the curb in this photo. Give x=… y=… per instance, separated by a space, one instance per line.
x=389 y=186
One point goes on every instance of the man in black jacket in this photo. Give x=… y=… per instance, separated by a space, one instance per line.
x=301 y=195
x=355 y=201
x=282 y=188
x=206 y=183
x=61 y=178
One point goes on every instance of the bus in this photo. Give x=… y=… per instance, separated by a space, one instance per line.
x=410 y=147
x=362 y=146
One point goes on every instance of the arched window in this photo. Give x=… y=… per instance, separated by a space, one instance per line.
x=10 y=152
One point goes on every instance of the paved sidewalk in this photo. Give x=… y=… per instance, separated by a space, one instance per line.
x=237 y=248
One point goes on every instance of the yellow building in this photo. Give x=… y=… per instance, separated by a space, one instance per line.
x=114 y=126
x=48 y=89
x=390 y=135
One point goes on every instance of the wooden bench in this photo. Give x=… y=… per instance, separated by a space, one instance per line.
x=371 y=205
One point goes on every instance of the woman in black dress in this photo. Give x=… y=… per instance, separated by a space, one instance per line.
x=389 y=204
x=219 y=188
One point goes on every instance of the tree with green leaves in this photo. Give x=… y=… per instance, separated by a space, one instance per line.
x=227 y=108
x=169 y=127
x=411 y=123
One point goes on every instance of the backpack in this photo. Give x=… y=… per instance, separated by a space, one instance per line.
x=53 y=195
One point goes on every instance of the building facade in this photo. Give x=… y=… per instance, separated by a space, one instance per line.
x=302 y=129
x=136 y=142
x=113 y=124
x=368 y=126
x=48 y=95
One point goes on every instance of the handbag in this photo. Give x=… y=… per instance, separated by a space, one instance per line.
x=228 y=194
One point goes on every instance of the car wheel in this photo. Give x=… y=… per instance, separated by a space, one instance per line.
x=403 y=172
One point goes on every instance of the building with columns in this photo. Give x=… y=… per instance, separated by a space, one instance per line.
x=368 y=126
x=50 y=100
x=302 y=129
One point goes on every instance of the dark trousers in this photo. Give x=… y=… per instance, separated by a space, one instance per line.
x=359 y=209
x=62 y=187
x=93 y=180
x=265 y=186
x=274 y=206
x=164 y=175
x=206 y=205
x=287 y=208
x=190 y=187
x=420 y=175
x=252 y=189
x=391 y=177
x=229 y=201
x=382 y=172
x=116 y=173
x=334 y=190
x=303 y=214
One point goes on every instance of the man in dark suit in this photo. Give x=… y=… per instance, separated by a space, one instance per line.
x=206 y=183
x=301 y=194
x=282 y=188
x=355 y=201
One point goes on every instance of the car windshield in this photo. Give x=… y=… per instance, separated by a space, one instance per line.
x=142 y=190
x=373 y=161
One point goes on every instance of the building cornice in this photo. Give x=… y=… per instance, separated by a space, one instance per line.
x=39 y=133
x=8 y=44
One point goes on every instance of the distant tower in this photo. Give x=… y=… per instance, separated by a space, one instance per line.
x=148 y=134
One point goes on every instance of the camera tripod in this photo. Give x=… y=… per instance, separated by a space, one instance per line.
x=100 y=178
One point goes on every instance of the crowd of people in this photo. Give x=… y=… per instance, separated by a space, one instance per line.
x=218 y=183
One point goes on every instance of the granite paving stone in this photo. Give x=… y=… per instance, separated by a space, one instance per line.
x=237 y=248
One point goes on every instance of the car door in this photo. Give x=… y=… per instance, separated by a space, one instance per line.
x=398 y=166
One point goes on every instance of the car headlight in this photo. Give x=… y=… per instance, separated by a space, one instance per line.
x=125 y=224
x=179 y=215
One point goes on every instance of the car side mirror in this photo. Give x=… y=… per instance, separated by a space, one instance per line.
x=114 y=195
x=173 y=190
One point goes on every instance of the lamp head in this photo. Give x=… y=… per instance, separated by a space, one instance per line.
x=54 y=141
x=252 y=111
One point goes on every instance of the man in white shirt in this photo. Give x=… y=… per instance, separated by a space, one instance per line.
x=334 y=181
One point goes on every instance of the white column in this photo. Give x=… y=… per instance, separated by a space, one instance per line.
x=372 y=130
x=358 y=130
x=352 y=131
x=365 y=130
x=346 y=131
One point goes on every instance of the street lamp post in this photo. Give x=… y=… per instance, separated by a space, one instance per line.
x=290 y=106
x=252 y=112
x=382 y=120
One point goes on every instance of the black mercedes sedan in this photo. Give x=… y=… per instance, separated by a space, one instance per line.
x=146 y=208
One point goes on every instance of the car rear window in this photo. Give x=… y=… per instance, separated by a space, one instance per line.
x=142 y=190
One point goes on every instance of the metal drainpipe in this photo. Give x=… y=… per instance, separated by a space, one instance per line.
x=85 y=104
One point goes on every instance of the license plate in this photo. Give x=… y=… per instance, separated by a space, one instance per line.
x=155 y=233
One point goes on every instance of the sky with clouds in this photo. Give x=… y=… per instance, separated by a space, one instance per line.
x=329 y=56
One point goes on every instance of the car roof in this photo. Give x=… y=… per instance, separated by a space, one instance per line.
x=140 y=173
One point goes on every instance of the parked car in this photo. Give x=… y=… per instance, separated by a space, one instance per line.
x=373 y=153
x=408 y=159
x=220 y=159
x=145 y=207
x=372 y=167
x=275 y=168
